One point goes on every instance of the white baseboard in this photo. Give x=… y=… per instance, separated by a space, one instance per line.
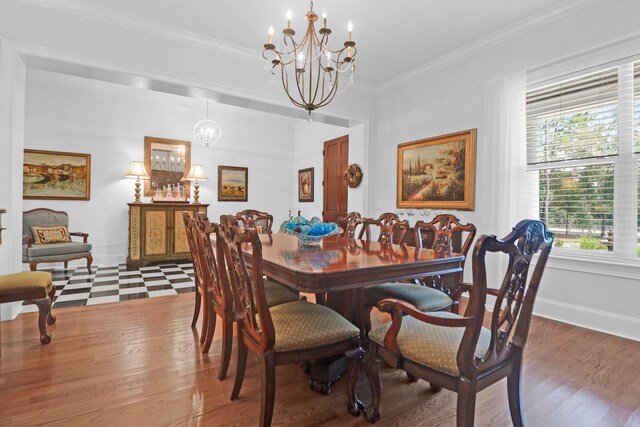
x=601 y=321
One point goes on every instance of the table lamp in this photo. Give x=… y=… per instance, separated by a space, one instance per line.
x=138 y=172
x=196 y=173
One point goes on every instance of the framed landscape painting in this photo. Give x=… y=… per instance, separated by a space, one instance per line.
x=232 y=184
x=56 y=175
x=438 y=173
x=305 y=185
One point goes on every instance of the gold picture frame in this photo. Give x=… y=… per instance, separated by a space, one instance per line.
x=56 y=175
x=233 y=184
x=438 y=172
x=167 y=162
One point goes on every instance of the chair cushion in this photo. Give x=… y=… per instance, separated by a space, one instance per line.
x=42 y=218
x=54 y=249
x=431 y=345
x=45 y=235
x=423 y=297
x=21 y=283
x=301 y=325
x=278 y=294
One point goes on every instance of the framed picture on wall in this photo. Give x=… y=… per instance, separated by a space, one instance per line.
x=233 y=184
x=56 y=175
x=305 y=185
x=438 y=172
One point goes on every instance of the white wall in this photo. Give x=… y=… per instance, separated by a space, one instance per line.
x=450 y=96
x=109 y=122
x=309 y=143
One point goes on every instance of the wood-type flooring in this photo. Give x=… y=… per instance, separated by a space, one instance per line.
x=138 y=363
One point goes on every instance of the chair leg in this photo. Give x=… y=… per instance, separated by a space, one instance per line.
x=372 y=369
x=196 y=309
x=89 y=262
x=205 y=317
x=33 y=266
x=466 y=404
x=355 y=357
x=209 y=329
x=51 y=319
x=268 y=388
x=66 y=264
x=514 y=391
x=242 y=365
x=227 y=343
x=44 y=308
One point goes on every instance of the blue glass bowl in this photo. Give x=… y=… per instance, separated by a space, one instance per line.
x=307 y=240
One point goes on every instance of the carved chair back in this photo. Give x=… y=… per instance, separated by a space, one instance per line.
x=350 y=224
x=43 y=217
x=190 y=229
x=391 y=228
x=247 y=282
x=252 y=218
x=515 y=298
x=212 y=264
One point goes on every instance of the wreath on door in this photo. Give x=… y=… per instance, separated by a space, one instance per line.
x=353 y=175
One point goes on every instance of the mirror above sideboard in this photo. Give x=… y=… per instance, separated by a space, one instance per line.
x=167 y=161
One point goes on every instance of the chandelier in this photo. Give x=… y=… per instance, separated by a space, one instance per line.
x=310 y=71
x=207 y=132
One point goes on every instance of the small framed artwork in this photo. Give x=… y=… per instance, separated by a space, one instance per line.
x=305 y=185
x=56 y=175
x=438 y=173
x=233 y=184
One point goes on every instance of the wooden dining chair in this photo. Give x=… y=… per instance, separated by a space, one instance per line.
x=390 y=228
x=458 y=352
x=252 y=218
x=350 y=224
x=201 y=291
x=433 y=293
x=293 y=332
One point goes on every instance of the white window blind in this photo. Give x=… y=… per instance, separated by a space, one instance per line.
x=573 y=151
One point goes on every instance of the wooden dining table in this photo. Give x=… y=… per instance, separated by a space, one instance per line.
x=339 y=268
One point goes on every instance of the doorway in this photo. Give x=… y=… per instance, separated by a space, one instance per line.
x=336 y=157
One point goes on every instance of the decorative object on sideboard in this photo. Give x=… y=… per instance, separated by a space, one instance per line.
x=233 y=184
x=196 y=174
x=353 y=175
x=168 y=161
x=137 y=171
x=310 y=68
x=56 y=175
x=207 y=132
x=305 y=185
x=2 y=211
x=438 y=172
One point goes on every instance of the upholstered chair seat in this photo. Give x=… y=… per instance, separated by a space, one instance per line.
x=422 y=297
x=301 y=325
x=36 y=286
x=430 y=345
x=51 y=250
x=278 y=294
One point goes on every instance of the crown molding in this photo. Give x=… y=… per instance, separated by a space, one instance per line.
x=566 y=8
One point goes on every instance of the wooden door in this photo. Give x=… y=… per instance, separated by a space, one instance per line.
x=336 y=156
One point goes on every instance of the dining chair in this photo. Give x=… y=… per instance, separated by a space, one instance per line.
x=293 y=332
x=200 y=293
x=435 y=293
x=458 y=352
x=350 y=224
x=390 y=228
x=252 y=218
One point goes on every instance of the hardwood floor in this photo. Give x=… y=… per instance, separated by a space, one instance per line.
x=138 y=363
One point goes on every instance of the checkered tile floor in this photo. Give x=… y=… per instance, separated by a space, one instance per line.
x=76 y=287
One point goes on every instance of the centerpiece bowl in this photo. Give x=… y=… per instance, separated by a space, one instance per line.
x=309 y=232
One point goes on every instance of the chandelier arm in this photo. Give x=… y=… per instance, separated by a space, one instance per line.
x=285 y=84
x=315 y=94
x=332 y=93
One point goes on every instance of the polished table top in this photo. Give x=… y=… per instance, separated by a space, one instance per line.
x=338 y=263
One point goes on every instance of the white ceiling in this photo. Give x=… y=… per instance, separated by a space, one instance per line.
x=393 y=37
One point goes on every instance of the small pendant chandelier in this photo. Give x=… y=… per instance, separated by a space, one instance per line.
x=310 y=71
x=207 y=132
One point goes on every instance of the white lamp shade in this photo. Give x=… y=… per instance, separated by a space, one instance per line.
x=196 y=173
x=137 y=170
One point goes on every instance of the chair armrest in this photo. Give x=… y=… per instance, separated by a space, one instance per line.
x=391 y=305
x=84 y=236
x=27 y=240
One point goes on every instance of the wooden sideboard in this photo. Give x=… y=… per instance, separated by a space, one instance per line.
x=157 y=234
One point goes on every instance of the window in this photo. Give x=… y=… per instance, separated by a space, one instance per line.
x=581 y=145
